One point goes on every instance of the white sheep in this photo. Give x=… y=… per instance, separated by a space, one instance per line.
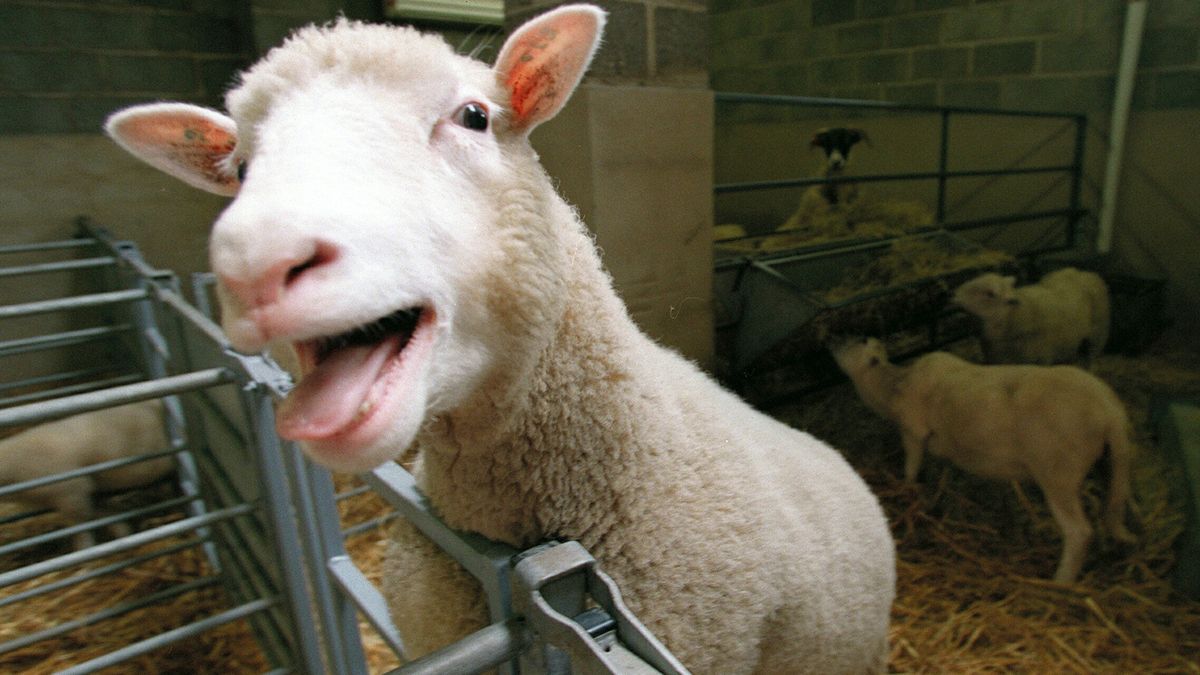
x=79 y=441
x=1046 y=423
x=1061 y=319
x=392 y=224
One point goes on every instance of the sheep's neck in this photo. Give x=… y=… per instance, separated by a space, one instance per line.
x=881 y=387
x=535 y=446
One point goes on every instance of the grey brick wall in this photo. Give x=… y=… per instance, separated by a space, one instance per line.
x=66 y=64
x=1027 y=54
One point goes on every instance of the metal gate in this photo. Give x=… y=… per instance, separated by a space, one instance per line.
x=265 y=519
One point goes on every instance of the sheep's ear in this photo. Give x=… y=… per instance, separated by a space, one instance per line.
x=186 y=141
x=543 y=61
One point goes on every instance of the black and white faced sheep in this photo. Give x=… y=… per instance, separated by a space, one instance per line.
x=1048 y=424
x=837 y=143
x=393 y=227
x=1064 y=318
x=83 y=440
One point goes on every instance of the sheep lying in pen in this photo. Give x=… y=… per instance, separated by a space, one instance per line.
x=1049 y=424
x=79 y=441
x=393 y=226
x=1061 y=319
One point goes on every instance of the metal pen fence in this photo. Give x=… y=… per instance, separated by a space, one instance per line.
x=265 y=519
x=774 y=313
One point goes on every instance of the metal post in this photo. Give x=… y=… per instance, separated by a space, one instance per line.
x=943 y=165
x=278 y=504
x=321 y=537
x=1076 y=180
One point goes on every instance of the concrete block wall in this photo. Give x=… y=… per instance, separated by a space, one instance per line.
x=633 y=151
x=657 y=42
x=1028 y=54
x=65 y=65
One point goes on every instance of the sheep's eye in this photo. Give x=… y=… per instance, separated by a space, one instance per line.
x=473 y=116
x=241 y=170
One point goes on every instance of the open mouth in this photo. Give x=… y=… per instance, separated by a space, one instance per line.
x=347 y=378
x=399 y=324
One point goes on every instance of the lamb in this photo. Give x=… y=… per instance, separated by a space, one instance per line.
x=1049 y=424
x=1061 y=319
x=393 y=226
x=79 y=441
x=821 y=199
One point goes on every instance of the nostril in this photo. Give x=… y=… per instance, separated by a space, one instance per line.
x=323 y=255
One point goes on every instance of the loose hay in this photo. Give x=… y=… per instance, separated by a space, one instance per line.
x=974 y=557
x=229 y=648
x=913 y=259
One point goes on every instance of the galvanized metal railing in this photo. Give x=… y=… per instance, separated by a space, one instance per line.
x=1071 y=212
x=266 y=518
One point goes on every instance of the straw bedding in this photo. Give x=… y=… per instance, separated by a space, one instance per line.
x=974 y=559
x=228 y=648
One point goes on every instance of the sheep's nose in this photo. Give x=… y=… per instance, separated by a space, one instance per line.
x=266 y=285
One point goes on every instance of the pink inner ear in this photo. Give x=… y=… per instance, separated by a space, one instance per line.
x=545 y=65
x=191 y=142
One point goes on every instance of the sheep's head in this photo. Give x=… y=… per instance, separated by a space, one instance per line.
x=987 y=294
x=837 y=142
x=366 y=164
x=856 y=356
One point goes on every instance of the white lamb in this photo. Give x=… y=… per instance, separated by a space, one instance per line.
x=1061 y=319
x=1049 y=424
x=83 y=440
x=393 y=226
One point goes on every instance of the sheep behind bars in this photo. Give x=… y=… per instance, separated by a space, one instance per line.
x=1048 y=424
x=1064 y=318
x=80 y=441
x=392 y=227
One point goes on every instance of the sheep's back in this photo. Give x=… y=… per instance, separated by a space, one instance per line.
x=91 y=438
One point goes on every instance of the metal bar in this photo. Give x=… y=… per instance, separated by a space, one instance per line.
x=205 y=325
x=1077 y=179
x=818 y=102
x=367 y=525
x=321 y=531
x=63 y=266
x=71 y=530
x=75 y=302
x=722 y=188
x=61 y=376
x=120 y=545
x=975 y=223
x=485 y=648
x=486 y=560
x=47 y=246
x=129 y=393
x=354 y=492
x=63 y=339
x=80 y=472
x=126 y=250
x=852 y=245
x=96 y=573
x=107 y=613
x=367 y=598
x=943 y=165
x=17 y=517
x=285 y=539
x=58 y=392
x=170 y=637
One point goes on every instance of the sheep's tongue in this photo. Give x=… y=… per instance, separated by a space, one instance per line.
x=327 y=399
